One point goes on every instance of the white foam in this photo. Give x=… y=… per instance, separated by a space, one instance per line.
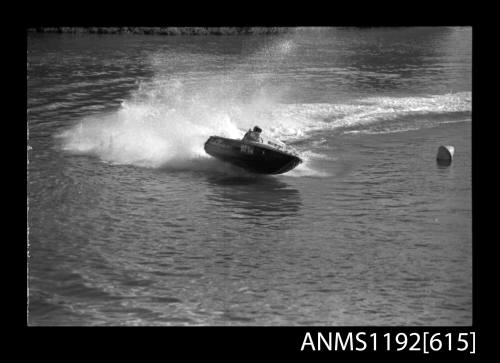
x=306 y=118
x=305 y=170
x=148 y=136
x=166 y=121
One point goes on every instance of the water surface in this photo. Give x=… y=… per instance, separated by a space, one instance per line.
x=131 y=223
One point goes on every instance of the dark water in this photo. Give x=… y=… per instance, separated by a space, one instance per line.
x=130 y=222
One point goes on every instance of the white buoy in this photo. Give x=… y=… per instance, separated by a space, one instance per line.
x=445 y=154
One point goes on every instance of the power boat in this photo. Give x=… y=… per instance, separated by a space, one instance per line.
x=262 y=158
x=265 y=156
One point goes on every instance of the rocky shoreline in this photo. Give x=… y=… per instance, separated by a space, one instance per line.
x=163 y=30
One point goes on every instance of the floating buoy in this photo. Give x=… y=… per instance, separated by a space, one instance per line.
x=445 y=154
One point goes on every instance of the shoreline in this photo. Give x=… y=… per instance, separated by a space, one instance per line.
x=163 y=30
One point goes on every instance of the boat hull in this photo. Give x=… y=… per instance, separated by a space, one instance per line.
x=252 y=156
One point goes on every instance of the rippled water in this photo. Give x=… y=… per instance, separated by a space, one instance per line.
x=130 y=222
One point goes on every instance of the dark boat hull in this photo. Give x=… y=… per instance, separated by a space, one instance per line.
x=252 y=156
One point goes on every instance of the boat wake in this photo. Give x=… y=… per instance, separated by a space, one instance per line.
x=166 y=121
x=160 y=133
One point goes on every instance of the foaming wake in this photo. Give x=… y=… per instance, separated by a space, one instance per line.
x=147 y=136
x=305 y=170
x=167 y=129
x=166 y=124
x=305 y=119
x=166 y=121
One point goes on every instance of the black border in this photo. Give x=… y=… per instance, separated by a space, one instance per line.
x=170 y=342
x=257 y=13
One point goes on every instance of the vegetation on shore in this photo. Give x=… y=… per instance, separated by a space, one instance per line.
x=164 y=30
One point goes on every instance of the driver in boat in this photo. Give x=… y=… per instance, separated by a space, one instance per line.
x=253 y=135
